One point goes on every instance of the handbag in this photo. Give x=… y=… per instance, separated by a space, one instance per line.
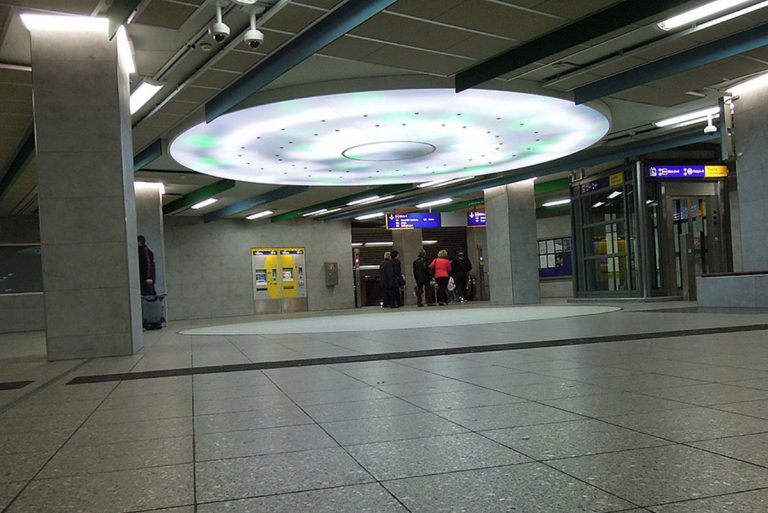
x=451 y=284
x=401 y=280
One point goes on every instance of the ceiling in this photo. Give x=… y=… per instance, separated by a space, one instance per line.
x=412 y=43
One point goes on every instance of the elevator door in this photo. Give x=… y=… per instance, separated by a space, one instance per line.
x=694 y=240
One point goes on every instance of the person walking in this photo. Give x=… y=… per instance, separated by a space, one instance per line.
x=397 y=270
x=421 y=277
x=388 y=281
x=442 y=268
x=461 y=266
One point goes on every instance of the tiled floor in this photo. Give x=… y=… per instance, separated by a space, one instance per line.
x=667 y=425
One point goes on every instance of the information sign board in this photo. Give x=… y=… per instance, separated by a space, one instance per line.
x=687 y=171
x=413 y=220
x=476 y=218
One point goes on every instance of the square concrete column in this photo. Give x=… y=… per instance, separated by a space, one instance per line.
x=85 y=195
x=408 y=243
x=751 y=130
x=149 y=223
x=512 y=246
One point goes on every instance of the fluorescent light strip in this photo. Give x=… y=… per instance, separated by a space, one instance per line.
x=749 y=85
x=357 y=244
x=556 y=202
x=598 y=204
x=699 y=13
x=370 y=216
x=204 y=203
x=56 y=23
x=731 y=16
x=440 y=183
x=428 y=242
x=142 y=95
x=260 y=215
x=442 y=201
x=614 y=195
x=712 y=111
x=150 y=185
x=692 y=122
x=376 y=244
x=368 y=267
x=315 y=212
x=363 y=200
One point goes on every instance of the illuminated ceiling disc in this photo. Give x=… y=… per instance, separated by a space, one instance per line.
x=388 y=151
x=388 y=137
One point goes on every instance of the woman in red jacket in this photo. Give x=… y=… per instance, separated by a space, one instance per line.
x=442 y=268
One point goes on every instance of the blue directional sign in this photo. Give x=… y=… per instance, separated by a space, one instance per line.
x=476 y=218
x=690 y=171
x=411 y=220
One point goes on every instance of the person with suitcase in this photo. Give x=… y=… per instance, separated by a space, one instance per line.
x=146 y=268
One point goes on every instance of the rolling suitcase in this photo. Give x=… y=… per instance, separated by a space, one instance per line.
x=153 y=311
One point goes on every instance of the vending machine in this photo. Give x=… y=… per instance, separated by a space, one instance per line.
x=279 y=280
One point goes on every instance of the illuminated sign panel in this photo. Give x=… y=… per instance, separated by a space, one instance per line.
x=692 y=171
x=476 y=218
x=412 y=220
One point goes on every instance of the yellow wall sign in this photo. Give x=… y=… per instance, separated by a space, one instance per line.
x=715 y=171
x=616 y=179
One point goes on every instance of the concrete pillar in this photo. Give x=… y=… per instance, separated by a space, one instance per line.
x=85 y=194
x=477 y=237
x=149 y=223
x=751 y=131
x=512 y=245
x=408 y=243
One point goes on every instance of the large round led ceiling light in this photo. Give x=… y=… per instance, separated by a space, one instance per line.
x=385 y=137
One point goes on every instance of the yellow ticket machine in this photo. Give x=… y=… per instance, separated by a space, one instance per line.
x=279 y=283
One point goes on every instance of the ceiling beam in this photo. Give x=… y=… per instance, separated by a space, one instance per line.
x=582 y=159
x=148 y=155
x=255 y=201
x=119 y=12
x=678 y=63
x=23 y=157
x=332 y=26
x=197 y=196
x=579 y=32
x=342 y=202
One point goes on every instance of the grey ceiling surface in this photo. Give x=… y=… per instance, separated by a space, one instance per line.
x=426 y=39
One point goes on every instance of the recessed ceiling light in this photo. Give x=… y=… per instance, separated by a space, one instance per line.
x=434 y=203
x=428 y=242
x=258 y=215
x=688 y=117
x=204 y=203
x=614 y=195
x=143 y=94
x=370 y=216
x=556 y=202
x=699 y=13
x=57 y=23
x=373 y=244
x=212 y=148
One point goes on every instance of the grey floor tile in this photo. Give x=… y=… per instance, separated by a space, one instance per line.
x=136 y=414
x=234 y=392
x=40 y=423
x=235 y=444
x=508 y=380
x=98 y=433
x=369 y=498
x=74 y=460
x=664 y=474
x=529 y=488
x=691 y=424
x=760 y=383
x=507 y=415
x=429 y=387
x=233 y=405
x=21 y=466
x=569 y=439
x=277 y=473
x=461 y=399
x=556 y=390
x=360 y=409
x=587 y=373
x=344 y=395
x=33 y=441
x=255 y=419
x=112 y=492
x=746 y=502
x=720 y=374
x=751 y=448
x=385 y=429
x=641 y=382
x=710 y=394
x=751 y=408
x=434 y=455
x=615 y=403
x=8 y=491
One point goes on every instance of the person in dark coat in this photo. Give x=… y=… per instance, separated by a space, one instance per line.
x=461 y=266
x=422 y=278
x=389 y=281
x=397 y=270
x=146 y=268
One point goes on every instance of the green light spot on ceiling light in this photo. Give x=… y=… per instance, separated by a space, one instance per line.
x=202 y=141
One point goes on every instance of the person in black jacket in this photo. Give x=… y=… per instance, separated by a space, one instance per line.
x=397 y=270
x=146 y=268
x=421 y=277
x=461 y=267
x=389 y=281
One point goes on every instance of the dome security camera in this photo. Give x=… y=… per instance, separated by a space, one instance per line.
x=218 y=29
x=253 y=38
x=710 y=129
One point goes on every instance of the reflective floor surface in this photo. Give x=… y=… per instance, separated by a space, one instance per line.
x=668 y=424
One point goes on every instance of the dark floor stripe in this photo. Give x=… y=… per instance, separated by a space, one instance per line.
x=14 y=385
x=308 y=362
